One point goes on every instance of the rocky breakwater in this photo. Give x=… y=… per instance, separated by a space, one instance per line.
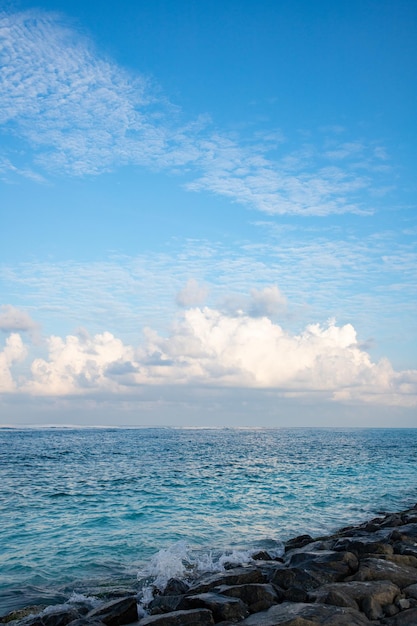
x=365 y=574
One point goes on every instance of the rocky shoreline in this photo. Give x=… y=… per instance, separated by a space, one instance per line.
x=364 y=574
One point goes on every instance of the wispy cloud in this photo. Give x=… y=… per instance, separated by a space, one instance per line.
x=77 y=113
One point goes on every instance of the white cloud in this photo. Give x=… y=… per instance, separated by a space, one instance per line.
x=192 y=294
x=77 y=365
x=208 y=348
x=13 y=352
x=80 y=114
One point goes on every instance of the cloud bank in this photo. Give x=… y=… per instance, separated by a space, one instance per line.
x=208 y=348
x=74 y=112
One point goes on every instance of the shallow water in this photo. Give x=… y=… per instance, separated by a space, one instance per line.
x=88 y=508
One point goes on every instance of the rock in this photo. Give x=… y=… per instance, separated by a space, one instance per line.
x=372 y=608
x=262 y=555
x=363 y=545
x=299 y=614
x=166 y=604
x=390 y=610
x=381 y=591
x=298 y=542
x=309 y=570
x=84 y=621
x=20 y=614
x=175 y=587
x=403 y=559
x=116 y=612
x=403 y=604
x=237 y=576
x=380 y=569
x=335 y=597
x=406 y=618
x=196 y=617
x=223 y=608
x=258 y=597
x=411 y=591
x=52 y=617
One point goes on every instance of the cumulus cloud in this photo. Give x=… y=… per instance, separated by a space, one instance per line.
x=192 y=294
x=82 y=114
x=13 y=352
x=208 y=348
x=77 y=364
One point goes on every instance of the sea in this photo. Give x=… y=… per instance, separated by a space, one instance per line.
x=88 y=511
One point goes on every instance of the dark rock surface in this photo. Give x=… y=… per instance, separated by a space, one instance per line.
x=361 y=575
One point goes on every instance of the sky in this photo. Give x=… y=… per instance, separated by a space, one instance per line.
x=208 y=213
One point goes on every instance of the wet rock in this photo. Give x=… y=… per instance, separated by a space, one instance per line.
x=222 y=607
x=380 y=569
x=196 y=617
x=258 y=597
x=405 y=618
x=363 y=545
x=52 y=617
x=175 y=587
x=309 y=570
x=166 y=604
x=237 y=576
x=298 y=542
x=116 y=612
x=20 y=614
x=298 y=614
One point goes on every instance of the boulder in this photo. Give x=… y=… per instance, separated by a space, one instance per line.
x=411 y=591
x=299 y=614
x=380 y=569
x=52 y=617
x=175 y=587
x=196 y=617
x=405 y=618
x=166 y=604
x=381 y=591
x=237 y=576
x=258 y=597
x=222 y=607
x=116 y=612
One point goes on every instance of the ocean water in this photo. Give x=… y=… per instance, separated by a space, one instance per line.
x=85 y=510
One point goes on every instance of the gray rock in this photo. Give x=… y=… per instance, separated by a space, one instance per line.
x=222 y=607
x=405 y=618
x=116 y=612
x=166 y=604
x=237 y=576
x=258 y=597
x=298 y=542
x=196 y=617
x=381 y=591
x=175 y=587
x=372 y=608
x=411 y=591
x=299 y=614
x=380 y=569
x=363 y=545
x=51 y=617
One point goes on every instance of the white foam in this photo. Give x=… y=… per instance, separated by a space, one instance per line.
x=180 y=562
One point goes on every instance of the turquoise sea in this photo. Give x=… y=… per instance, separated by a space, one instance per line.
x=87 y=509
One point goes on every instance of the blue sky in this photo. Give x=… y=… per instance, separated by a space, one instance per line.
x=208 y=213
